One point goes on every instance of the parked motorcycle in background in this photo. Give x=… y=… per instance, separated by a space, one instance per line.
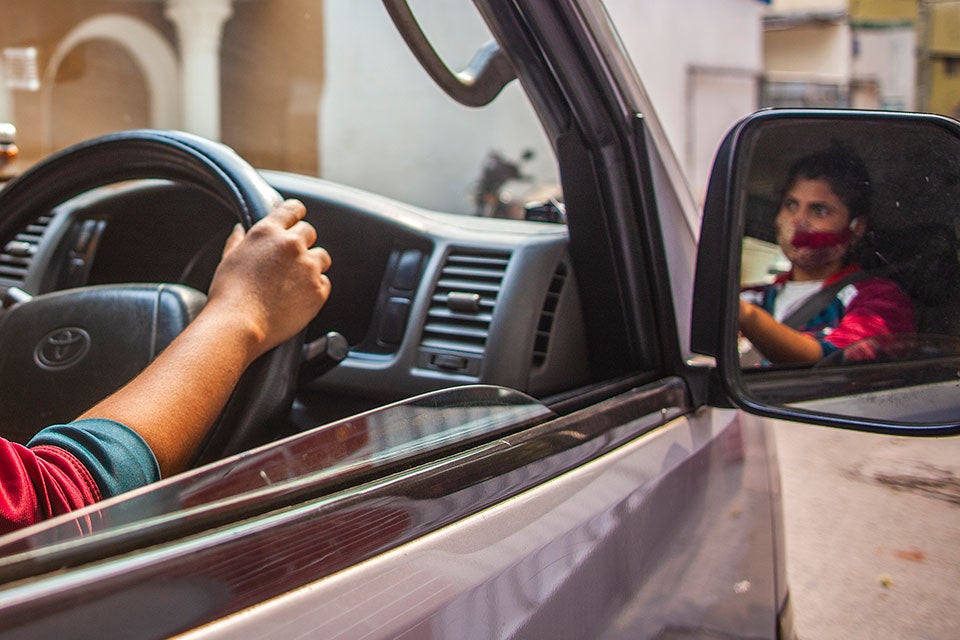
x=8 y=151
x=497 y=194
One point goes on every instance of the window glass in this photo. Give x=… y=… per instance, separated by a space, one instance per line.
x=322 y=88
x=325 y=88
x=305 y=467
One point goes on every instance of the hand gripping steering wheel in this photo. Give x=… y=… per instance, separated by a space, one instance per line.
x=62 y=352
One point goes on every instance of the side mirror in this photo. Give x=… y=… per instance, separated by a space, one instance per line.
x=879 y=291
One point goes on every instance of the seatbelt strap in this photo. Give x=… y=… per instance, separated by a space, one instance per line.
x=819 y=301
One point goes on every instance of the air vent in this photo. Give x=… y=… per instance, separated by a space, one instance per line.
x=461 y=308
x=18 y=254
x=547 y=314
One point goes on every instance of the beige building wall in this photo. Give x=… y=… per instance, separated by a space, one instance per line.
x=944 y=97
x=100 y=84
x=944 y=50
x=73 y=107
x=810 y=53
x=945 y=27
x=271 y=94
x=883 y=11
x=857 y=53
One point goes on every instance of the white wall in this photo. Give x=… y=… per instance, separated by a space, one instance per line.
x=805 y=6
x=694 y=56
x=700 y=61
x=412 y=142
x=887 y=55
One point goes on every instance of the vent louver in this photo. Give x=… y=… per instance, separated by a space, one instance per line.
x=547 y=314
x=17 y=255
x=463 y=300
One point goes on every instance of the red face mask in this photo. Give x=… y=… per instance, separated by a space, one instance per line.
x=820 y=239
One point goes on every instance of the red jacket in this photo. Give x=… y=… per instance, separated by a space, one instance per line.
x=68 y=466
x=40 y=482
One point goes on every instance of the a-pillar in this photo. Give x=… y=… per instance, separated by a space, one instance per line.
x=199 y=26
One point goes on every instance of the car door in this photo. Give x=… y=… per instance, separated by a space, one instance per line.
x=623 y=508
x=673 y=529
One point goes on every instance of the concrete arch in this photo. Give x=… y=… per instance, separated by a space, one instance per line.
x=155 y=57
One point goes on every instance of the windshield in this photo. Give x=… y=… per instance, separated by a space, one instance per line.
x=318 y=87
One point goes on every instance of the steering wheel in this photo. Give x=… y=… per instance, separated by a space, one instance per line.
x=62 y=352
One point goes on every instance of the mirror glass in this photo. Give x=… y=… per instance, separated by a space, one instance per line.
x=850 y=279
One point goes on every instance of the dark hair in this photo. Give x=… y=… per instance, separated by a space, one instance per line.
x=843 y=170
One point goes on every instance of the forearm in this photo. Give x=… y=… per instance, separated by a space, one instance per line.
x=173 y=402
x=268 y=286
x=776 y=341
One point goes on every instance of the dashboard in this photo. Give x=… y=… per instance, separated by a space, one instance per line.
x=426 y=300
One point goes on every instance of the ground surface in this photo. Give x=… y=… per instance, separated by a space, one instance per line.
x=873 y=533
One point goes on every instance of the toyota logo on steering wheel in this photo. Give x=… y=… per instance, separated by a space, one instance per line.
x=62 y=348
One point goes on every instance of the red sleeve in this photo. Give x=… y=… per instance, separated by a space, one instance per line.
x=880 y=307
x=40 y=482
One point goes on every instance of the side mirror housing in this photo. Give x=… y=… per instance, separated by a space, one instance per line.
x=902 y=373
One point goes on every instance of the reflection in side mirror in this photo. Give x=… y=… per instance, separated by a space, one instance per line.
x=894 y=347
x=830 y=247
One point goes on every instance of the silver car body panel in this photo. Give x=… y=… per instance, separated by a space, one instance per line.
x=666 y=536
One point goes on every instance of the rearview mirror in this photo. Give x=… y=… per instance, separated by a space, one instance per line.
x=828 y=280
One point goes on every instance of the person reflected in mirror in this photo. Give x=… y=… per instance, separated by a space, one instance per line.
x=269 y=284
x=825 y=301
